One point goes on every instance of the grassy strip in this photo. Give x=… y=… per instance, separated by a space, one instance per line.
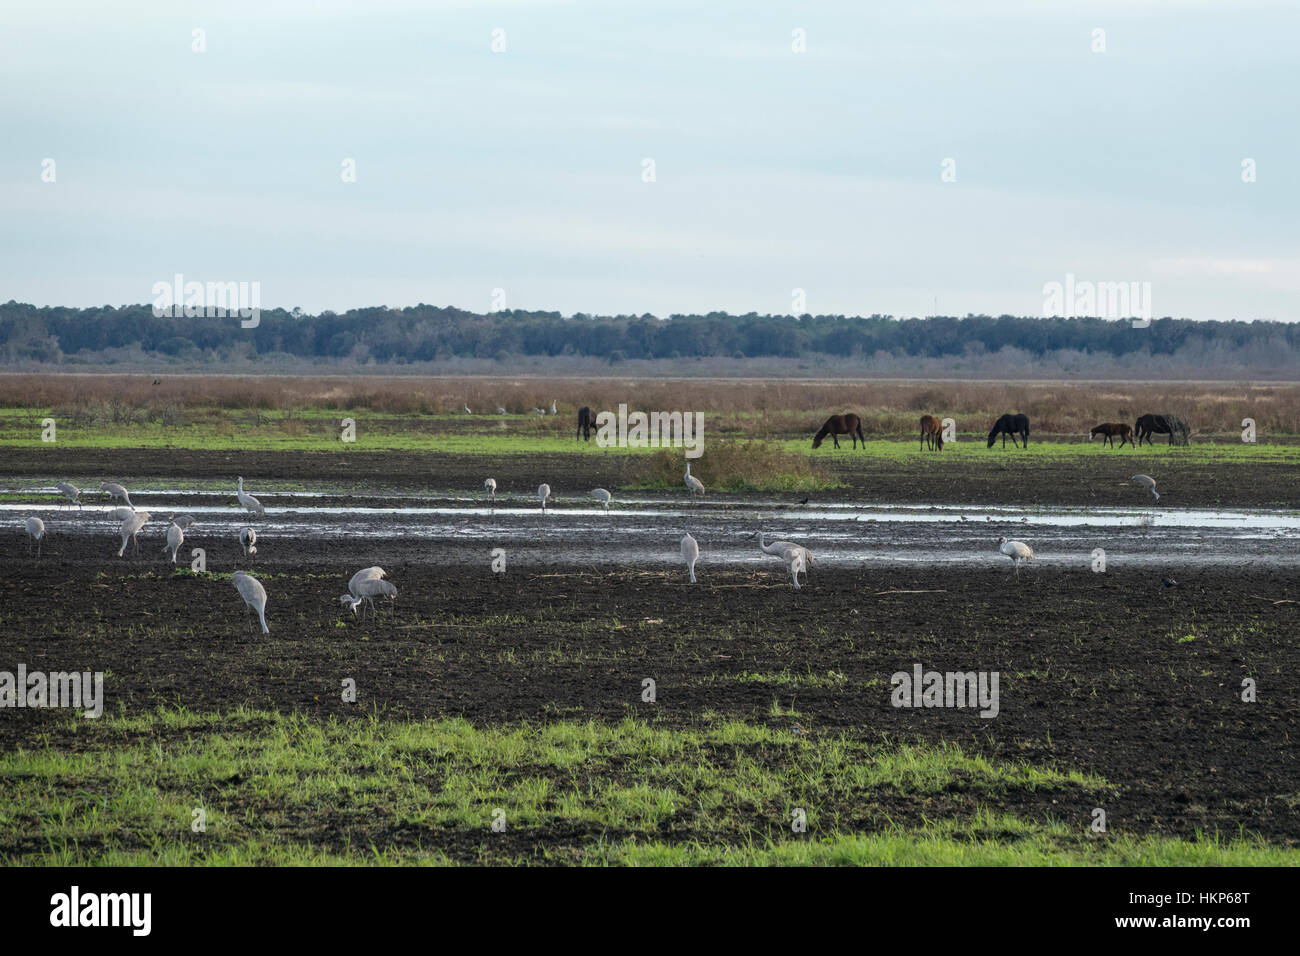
x=283 y=789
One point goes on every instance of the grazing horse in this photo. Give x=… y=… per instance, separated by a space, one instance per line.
x=1153 y=423
x=1108 y=431
x=586 y=422
x=931 y=432
x=1012 y=425
x=848 y=424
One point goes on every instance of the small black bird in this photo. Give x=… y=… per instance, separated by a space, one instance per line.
x=804 y=502
x=1168 y=583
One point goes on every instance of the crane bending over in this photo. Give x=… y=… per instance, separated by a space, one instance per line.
x=690 y=554
x=248 y=541
x=601 y=495
x=35 y=532
x=693 y=484
x=254 y=595
x=248 y=501
x=1017 y=551
x=365 y=585
x=490 y=486
x=782 y=549
x=116 y=491
x=175 y=538
x=1147 y=482
x=544 y=493
x=182 y=521
x=131 y=526
x=69 y=491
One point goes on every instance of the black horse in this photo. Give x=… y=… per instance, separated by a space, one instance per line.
x=586 y=422
x=1147 y=424
x=1012 y=425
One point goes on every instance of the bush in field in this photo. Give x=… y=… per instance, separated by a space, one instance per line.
x=732 y=466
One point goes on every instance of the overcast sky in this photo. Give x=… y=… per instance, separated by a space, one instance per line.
x=774 y=169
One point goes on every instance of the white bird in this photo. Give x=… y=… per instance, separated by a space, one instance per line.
x=365 y=585
x=69 y=491
x=116 y=491
x=540 y=411
x=553 y=411
x=693 y=484
x=690 y=554
x=467 y=411
x=783 y=548
x=601 y=495
x=490 y=486
x=248 y=501
x=1147 y=482
x=175 y=537
x=248 y=541
x=182 y=521
x=121 y=514
x=35 y=532
x=131 y=526
x=254 y=595
x=1017 y=551
x=500 y=410
x=544 y=493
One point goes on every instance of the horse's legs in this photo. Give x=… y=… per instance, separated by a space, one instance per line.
x=835 y=438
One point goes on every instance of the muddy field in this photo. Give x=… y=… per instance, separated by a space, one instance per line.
x=998 y=477
x=1110 y=673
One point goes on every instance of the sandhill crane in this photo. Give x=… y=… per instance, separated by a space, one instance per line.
x=544 y=493
x=365 y=585
x=1017 y=551
x=175 y=537
x=690 y=554
x=69 y=491
x=490 y=486
x=539 y=411
x=1147 y=482
x=121 y=514
x=500 y=410
x=182 y=521
x=35 y=532
x=553 y=411
x=131 y=526
x=693 y=484
x=782 y=549
x=250 y=503
x=248 y=541
x=116 y=491
x=601 y=495
x=254 y=595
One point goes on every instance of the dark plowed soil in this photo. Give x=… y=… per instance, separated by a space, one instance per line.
x=1001 y=477
x=1104 y=673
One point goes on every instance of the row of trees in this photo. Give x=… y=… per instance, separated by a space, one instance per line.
x=427 y=333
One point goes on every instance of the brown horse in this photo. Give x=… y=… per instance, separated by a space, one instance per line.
x=848 y=424
x=1108 y=431
x=931 y=432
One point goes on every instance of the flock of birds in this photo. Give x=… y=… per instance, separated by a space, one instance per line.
x=501 y=411
x=369 y=583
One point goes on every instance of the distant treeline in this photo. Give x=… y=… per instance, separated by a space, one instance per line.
x=426 y=333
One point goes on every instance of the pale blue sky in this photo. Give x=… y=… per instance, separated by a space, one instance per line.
x=775 y=170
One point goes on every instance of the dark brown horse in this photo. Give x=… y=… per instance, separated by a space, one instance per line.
x=586 y=422
x=931 y=432
x=1012 y=425
x=848 y=424
x=1108 y=431
x=1147 y=424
